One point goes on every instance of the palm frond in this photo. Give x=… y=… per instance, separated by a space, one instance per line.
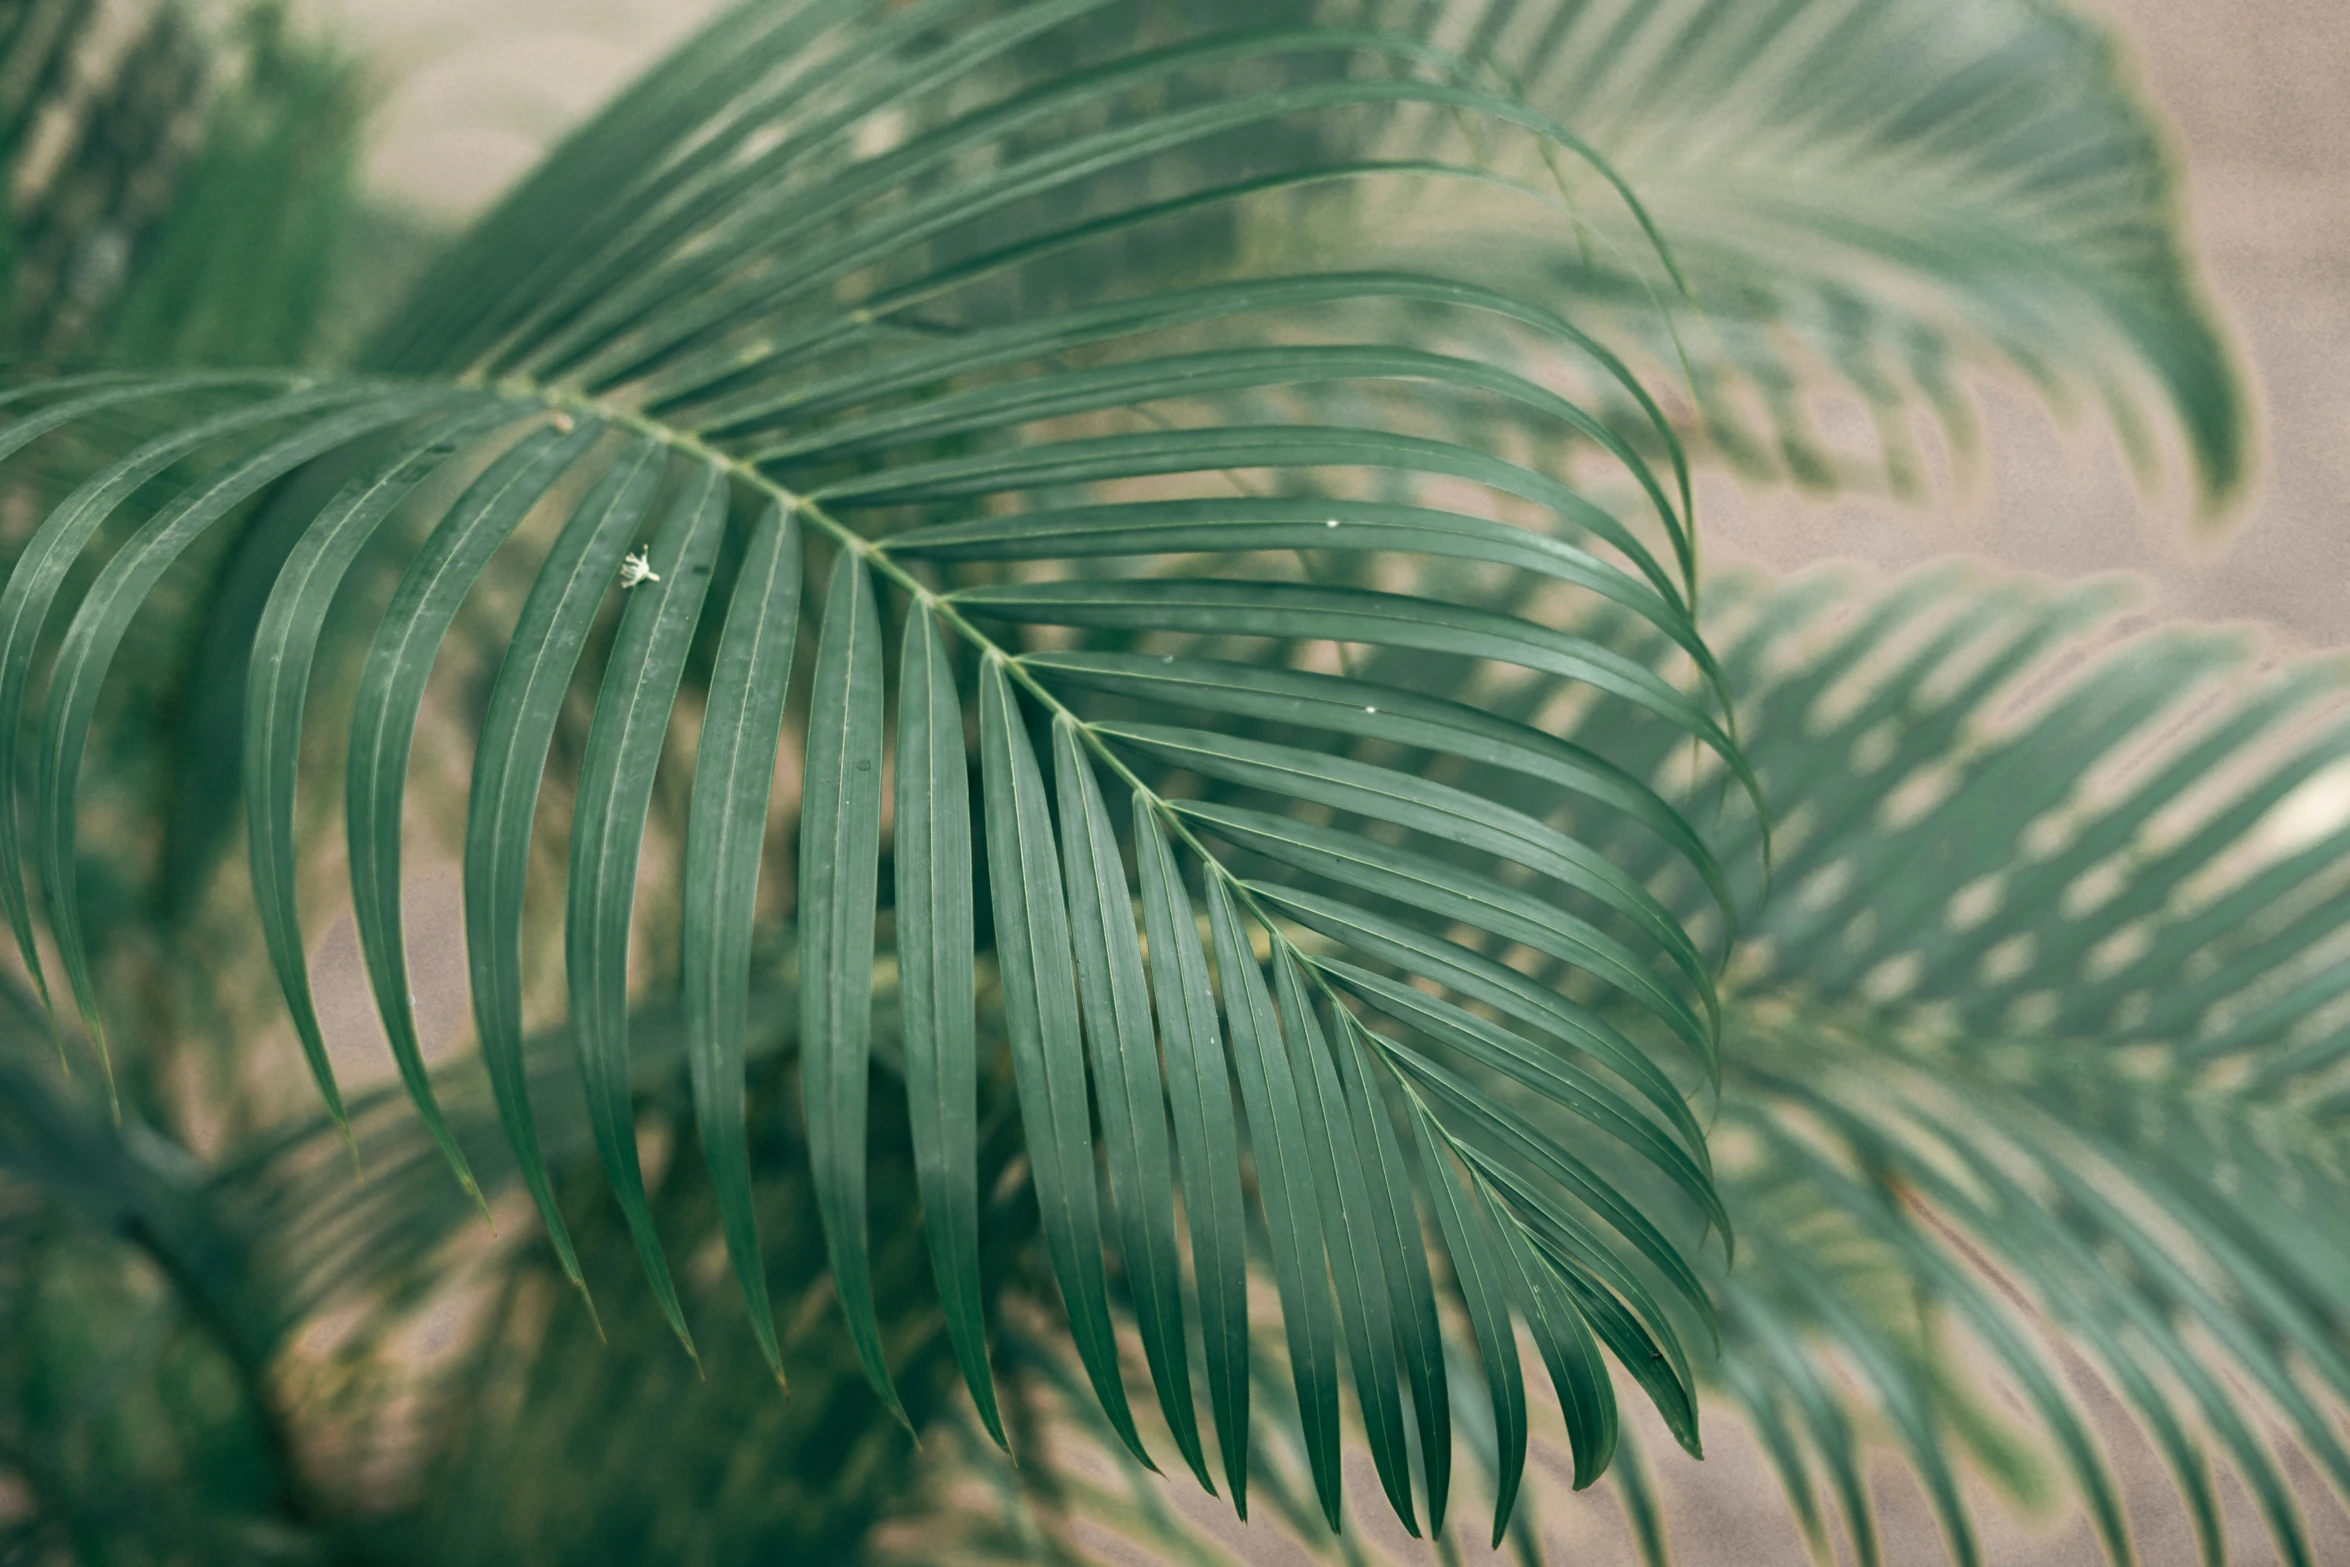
x=857 y=284
x=2035 y=1054
x=1875 y=198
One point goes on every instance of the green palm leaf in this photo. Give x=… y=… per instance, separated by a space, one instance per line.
x=960 y=302
x=732 y=778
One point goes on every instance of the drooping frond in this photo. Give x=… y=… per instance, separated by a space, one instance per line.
x=2056 y=1042
x=1875 y=198
x=953 y=316
x=2035 y=1053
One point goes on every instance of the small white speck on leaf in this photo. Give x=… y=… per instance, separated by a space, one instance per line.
x=638 y=568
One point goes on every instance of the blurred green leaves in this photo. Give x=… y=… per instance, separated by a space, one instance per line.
x=184 y=196
x=1875 y=202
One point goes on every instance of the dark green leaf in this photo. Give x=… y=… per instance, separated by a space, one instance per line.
x=518 y=726
x=1286 y=1188
x=1442 y=812
x=1401 y=1247
x=930 y=847
x=1586 y=1397
x=1483 y=1279
x=1253 y=523
x=1365 y=1308
x=1199 y=1087
x=726 y=829
x=1048 y=1054
x=840 y=869
x=607 y=829
x=1480 y=978
x=1115 y=1003
x=1502 y=1051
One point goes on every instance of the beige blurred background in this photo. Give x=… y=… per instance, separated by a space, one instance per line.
x=471 y=91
